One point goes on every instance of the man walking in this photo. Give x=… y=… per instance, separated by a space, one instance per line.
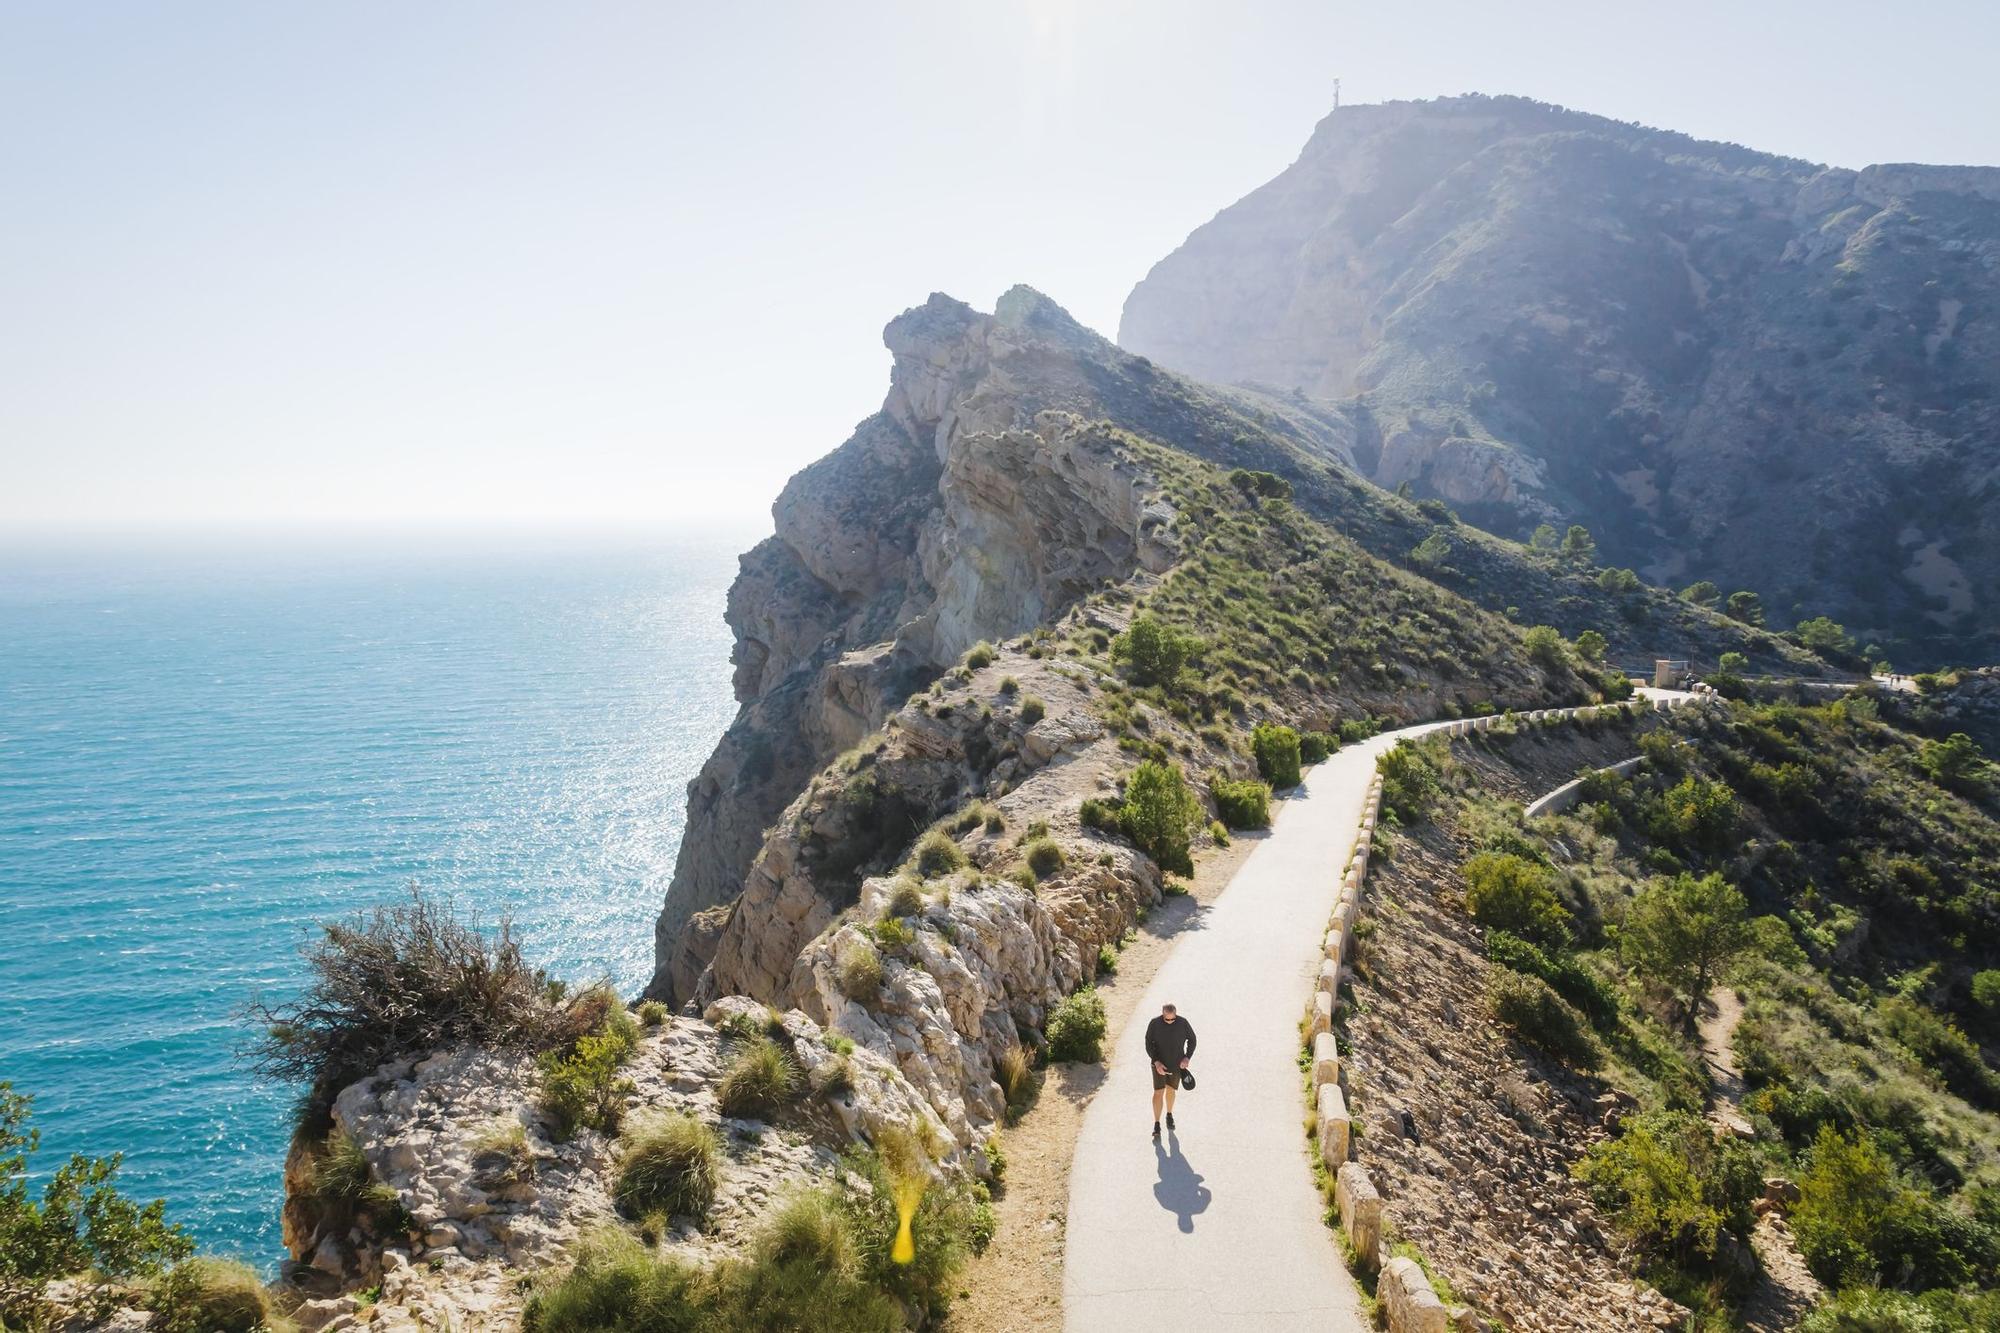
x=1169 y=1045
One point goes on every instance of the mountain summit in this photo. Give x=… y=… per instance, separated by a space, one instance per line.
x=1728 y=365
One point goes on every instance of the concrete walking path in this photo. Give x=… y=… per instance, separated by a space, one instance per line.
x=1219 y=1226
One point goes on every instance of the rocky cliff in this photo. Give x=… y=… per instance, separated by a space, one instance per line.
x=939 y=523
x=1728 y=365
x=982 y=502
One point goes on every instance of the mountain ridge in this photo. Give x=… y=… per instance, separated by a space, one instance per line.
x=1727 y=364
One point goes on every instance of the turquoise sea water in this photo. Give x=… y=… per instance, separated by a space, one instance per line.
x=206 y=749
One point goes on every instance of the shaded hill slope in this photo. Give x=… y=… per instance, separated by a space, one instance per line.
x=1727 y=364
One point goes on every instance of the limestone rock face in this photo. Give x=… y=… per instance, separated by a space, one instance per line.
x=1727 y=364
x=972 y=506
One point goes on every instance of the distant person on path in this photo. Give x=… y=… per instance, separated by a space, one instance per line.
x=1169 y=1045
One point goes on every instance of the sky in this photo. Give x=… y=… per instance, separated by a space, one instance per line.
x=594 y=263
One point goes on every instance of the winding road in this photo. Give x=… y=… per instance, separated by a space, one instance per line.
x=1219 y=1226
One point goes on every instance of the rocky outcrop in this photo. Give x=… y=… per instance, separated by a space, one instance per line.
x=1726 y=364
x=969 y=508
x=491 y=1192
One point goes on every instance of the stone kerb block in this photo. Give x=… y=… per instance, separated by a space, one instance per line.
x=1322 y=1013
x=1360 y=1212
x=1407 y=1298
x=1336 y=942
x=1329 y=976
x=1326 y=1061
x=1334 y=1126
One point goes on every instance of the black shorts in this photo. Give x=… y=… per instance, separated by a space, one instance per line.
x=1170 y=1079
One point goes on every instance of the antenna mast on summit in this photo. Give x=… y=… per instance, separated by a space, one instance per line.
x=1336 y=94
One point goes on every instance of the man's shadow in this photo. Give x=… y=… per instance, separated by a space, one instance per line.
x=1178 y=1189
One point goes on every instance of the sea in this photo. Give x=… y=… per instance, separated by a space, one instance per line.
x=209 y=746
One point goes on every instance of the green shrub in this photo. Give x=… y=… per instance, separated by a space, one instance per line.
x=582 y=1088
x=652 y=1013
x=1033 y=710
x=1099 y=815
x=938 y=855
x=1276 y=749
x=618 y=1286
x=1045 y=857
x=981 y=655
x=1872 y=1310
x=1591 y=646
x=858 y=970
x=1315 y=746
x=1672 y=1186
x=207 y=1295
x=1218 y=833
x=1268 y=485
x=1508 y=892
x=1695 y=813
x=1824 y=637
x=1537 y=1015
x=1857 y=1223
x=1076 y=1028
x=1560 y=969
x=1154 y=651
x=1159 y=815
x=1412 y=779
x=81 y=1223
x=1619 y=582
x=1242 y=805
x=969 y=818
x=1545 y=647
x=1009 y=685
x=1955 y=763
x=669 y=1166
x=1107 y=959
x=760 y=1081
x=906 y=898
x=950 y=1224
x=805 y=1271
x=1986 y=988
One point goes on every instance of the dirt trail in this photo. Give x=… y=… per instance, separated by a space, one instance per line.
x=1786 y=1290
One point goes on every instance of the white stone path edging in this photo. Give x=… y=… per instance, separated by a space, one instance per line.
x=1567 y=795
x=1218 y=1226
x=1359 y=1203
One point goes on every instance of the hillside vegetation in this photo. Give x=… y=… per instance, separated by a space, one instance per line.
x=1839 y=875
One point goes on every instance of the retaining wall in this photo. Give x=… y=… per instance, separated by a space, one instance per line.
x=1359 y=1203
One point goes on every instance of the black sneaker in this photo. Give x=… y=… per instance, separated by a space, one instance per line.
x=1170 y=1121
x=1156 y=1129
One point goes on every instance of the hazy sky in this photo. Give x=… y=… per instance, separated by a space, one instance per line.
x=289 y=262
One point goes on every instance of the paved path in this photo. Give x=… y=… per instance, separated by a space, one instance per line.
x=1219 y=1227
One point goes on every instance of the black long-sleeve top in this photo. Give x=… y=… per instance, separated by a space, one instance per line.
x=1170 y=1043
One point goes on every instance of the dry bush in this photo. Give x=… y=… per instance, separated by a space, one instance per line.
x=406 y=979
